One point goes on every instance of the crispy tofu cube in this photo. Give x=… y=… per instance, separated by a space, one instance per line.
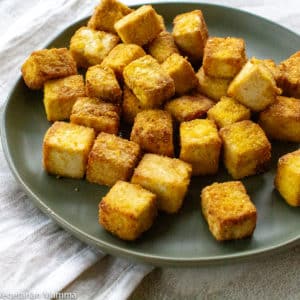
x=106 y=14
x=131 y=106
x=212 y=87
x=149 y=82
x=224 y=57
x=102 y=83
x=228 y=210
x=166 y=177
x=127 y=210
x=189 y=107
x=254 y=86
x=46 y=64
x=139 y=27
x=247 y=150
x=97 y=114
x=281 y=120
x=120 y=56
x=66 y=148
x=190 y=34
x=89 y=46
x=200 y=146
x=181 y=72
x=228 y=111
x=271 y=65
x=111 y=159
x=153 y=131
x=289 y=78
x=60 y=96
x=287 y=180
x=162 y=46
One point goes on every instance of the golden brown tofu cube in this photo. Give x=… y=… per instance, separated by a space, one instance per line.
x=200 y=146
x=139 y=27
x=190 y=34
x=106 y=14
x=153 y=131
x=281 y=120
x=97 y=114
x=289 y=78
x=254 y=86
x=212 y=87
x=228 y=111
x=89 y=46
x=127 y=210
x=60 y=96
x=111 y=159
x=102 y=83
x=189 y=107
x=247 y=150
x=46 y=64
x=149 y=82
x=166 y=177
x=162 y=46
x=66 y=148
x=131 y=106
x=228 y=210
x=181 y=72
x=287 y=180
x=120 y=56
x=224 y=57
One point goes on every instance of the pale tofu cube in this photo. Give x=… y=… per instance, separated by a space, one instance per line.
x=200 y=146
x=228 y=210
x=46 y=64
x=166 y=177
x=66 y=148
x=97 y=114
x=153 y=131
x=111 y=159
x=89 y=46
x=247 y=150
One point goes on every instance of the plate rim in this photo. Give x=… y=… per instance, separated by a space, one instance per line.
x=158 y=260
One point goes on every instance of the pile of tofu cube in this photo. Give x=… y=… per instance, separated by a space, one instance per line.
x=205 y=88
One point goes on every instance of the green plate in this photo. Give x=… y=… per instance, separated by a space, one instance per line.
x=181 y=239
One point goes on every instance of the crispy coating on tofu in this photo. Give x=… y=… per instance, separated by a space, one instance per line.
x=181 y=72
x=190 y=34
x=131 y=106
x=153 y=131
x=149 y=82
x=127 y=210
x=271 y=65
x=162 y=46
x=166 y=177
x=46 y=64
x=224 y=57
x=139 y=27
x=120 y=56
x=102 y=83
x=254 y=86
x=228 y=111
x=247 y=150
x=60 y=96
x=106 y=14
x=189 y=107
x=281 y=120
x=212 y=87
x=228 y=210
x=89 y=46
x=289 y=77
x=66 y=148
x=200 y=146
x=111 y=159
x=97 y=114
x=287 y=179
